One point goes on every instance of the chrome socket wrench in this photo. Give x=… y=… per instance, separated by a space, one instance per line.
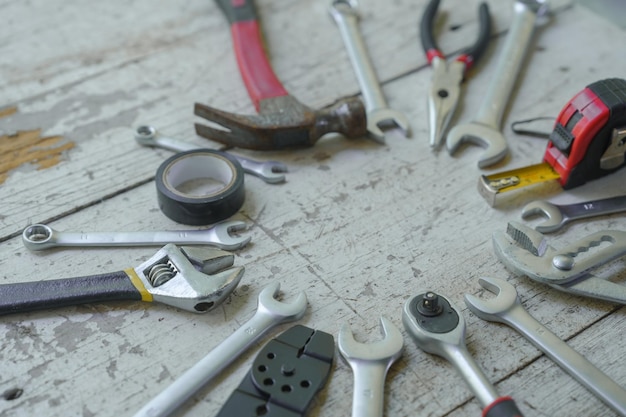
x=40 y=236
x=270 y=313
x=272 y=172
x=438 y=328
x=506 y=308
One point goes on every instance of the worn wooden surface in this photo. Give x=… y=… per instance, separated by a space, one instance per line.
x=358 y=226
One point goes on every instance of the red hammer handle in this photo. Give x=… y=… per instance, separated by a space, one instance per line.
x=255 y=68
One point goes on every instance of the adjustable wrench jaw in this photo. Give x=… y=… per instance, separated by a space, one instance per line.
x=192 y=279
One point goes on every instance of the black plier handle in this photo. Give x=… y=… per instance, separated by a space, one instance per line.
x=468 y=56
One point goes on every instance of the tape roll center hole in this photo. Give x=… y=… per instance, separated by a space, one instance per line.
x=199 y=176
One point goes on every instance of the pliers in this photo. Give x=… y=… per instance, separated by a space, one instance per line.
x=445 y=86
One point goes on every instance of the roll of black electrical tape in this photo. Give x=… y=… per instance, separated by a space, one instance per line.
x=200 y=187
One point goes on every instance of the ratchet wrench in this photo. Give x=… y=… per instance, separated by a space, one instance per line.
x=40 y=236
x=438 y=328
x=346 y=15
x=506 y=308
x=485 y=129
x=558 y=216
x=269 y=171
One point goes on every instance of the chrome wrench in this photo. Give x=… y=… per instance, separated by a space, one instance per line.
x=558 y=216
x=346 y=15
x=506 y=308
x=270 y=313
x=40 y=236
x=370 y=363
x=438 y=328
x=485 y=129
x=269 y=171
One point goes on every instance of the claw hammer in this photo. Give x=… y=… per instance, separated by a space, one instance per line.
x=282 y=122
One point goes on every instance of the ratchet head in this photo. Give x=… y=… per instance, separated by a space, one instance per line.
x=283 y=123
x=493 y=309
x=193 y=279
x=434 y=323
x=268 y=304
x=481 y=135
x=386 y=351
x=554 y=217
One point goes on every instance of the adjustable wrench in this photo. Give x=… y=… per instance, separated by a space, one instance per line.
x=269 y=171
x=558 y=216
x=346 y=15
x=193 y=279
x=484 y=130
x=370 y=363
x=40 y=236
x=438 y=328
x=270 y=313
x=506 y=308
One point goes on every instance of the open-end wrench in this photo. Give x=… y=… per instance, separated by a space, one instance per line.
x=484 y=130
x=193 y=279
x=558 y=216
x=272 y=172
x=438 y=328
x=346 y=14
x=370 y=363
x=40 y=236
x=270 y=313
x=506 y=308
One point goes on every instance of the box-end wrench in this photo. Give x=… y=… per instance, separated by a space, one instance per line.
x=270 y=313
x=370 y=363
x=272 y=172
x=485 y=129
x=40 y=236
x=346 y=15
x=506 y=308
x=438 y=328
x=558 y=216
x=193 y=279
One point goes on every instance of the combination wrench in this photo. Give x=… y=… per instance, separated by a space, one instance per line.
x=346 y=15
x=506 y=308
x=370 y=363
x=558 y=216
x=438 y=328
x=485 y=129
x=40 y=236
x=272 y=172
x=270 y=313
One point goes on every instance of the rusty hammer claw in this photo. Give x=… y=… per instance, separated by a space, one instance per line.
x=282 y=122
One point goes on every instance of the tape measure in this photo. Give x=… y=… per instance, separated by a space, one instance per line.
x=588 y=142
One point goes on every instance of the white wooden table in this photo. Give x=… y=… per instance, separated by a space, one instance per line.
x=360 y=227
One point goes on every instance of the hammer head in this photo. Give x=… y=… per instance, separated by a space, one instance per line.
x=193 y=279
x=283 y=123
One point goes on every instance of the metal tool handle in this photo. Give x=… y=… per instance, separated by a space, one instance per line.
x=29 y=296
x=369 y=388
x=567 y=358
x=254 y=66
x=593 y=208
x=508 y=66
x=346 y=16
x=170 y=399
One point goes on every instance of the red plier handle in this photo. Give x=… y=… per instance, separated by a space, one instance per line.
x=468 y=56
x=255 y=68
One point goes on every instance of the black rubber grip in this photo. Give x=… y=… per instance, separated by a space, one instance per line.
x=238 y=10
x=40 y=295
x=426 y=26
x=502 y=407
x=484 y=27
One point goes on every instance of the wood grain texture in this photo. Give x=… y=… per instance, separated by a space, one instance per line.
x=360 y=227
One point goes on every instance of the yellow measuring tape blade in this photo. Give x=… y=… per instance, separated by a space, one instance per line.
x=137 y=283
x=519 y=178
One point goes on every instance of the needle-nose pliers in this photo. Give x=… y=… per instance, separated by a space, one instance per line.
x=445 y=86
